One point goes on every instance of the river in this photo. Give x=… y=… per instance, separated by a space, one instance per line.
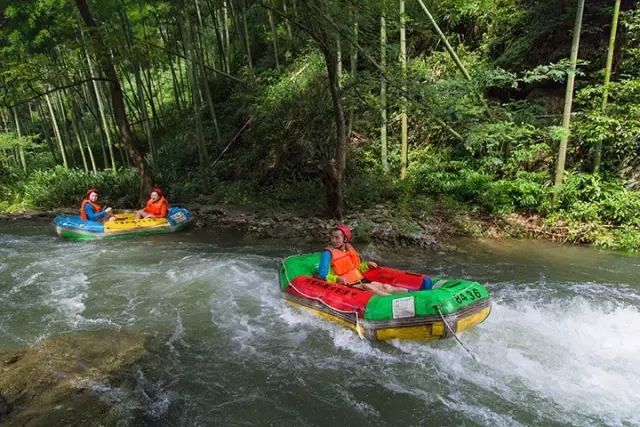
x=561 y=345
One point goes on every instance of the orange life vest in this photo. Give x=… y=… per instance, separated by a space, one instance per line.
x=96 y=208
x=346 y=264
x=159 y=208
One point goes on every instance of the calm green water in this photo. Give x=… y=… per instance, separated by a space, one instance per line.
x=560 y=347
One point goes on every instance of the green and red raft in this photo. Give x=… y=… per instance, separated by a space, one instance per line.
x=434 y=307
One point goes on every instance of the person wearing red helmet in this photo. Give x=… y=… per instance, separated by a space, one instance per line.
x=90 y=210
x=340 y=263
x=157 y=206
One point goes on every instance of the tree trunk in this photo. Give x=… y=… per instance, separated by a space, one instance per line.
x=568 y=99
x=193 y=77
x=227 y=41
x=246 y=35
x=383 y=90
x=103 y=116
x=354 y=70
x=76 y=133
x=65 y=128
x=146 y=123
x=334 y=170
x=108 y=69
x=177 y=93
x=404 y=145
x=607 y=78
x=87 y=142
x=199 y=57
x=274 y=35
x=23 y=160
x=45 y=131
x=215 y=19
x=287 y=23
x=56 y=130
x=339 y=57
x=447 y=45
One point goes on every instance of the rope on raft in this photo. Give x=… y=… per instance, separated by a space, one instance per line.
x=456 y=336
x=359 y=328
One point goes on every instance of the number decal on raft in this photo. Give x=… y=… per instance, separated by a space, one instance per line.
x=468 y=295
x=179 y=217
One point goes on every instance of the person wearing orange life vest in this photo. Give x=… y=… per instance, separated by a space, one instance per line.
x=341 y=263
x=90 y=210
x=157 y=206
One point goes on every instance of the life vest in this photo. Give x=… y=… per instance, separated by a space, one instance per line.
x=159 y=208
x=346 y=264
x=96 y=208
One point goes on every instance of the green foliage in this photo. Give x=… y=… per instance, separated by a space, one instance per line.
x=11 y=197
x=507 y=114
x=9 y=140
x=57 y=187
x=554 y=72
x=506 y=147
x=368 y=188
x=630 y=64
x=587 y=197
x=625 y=238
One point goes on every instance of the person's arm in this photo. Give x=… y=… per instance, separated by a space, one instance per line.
x=91 y=213
x=366 y=265
x=324 y=269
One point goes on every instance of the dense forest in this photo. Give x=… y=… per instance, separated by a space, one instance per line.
x=488 y=107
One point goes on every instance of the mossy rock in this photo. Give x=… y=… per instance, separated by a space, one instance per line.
x=62 y=381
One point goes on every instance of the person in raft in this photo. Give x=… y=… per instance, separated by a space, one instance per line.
x=157 y=206
x=90 y=210
x=340 y=263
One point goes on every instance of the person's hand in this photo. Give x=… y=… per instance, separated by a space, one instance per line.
x=341 y=281
x=111 y=219
x=109 y=210
x=372 y=264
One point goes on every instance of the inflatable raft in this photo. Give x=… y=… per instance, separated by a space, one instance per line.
x=434 y=308
x=125 y=225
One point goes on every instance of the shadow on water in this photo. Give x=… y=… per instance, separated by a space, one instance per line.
x=559 y=348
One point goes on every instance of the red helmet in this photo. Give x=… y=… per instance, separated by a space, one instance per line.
x=345 y=231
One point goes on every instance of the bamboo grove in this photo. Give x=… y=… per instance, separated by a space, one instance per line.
x=338 y=95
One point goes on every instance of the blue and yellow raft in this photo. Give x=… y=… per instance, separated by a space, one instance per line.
x=125 y=225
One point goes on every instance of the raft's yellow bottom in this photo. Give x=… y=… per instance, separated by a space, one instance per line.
x=127 y=222
x=425 y=332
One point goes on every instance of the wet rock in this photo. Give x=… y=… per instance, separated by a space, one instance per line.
x=4 y=408
x=60 y=381
x=380 y=225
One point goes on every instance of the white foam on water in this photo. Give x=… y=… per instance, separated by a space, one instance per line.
x=363 y=407
x=22 y=282
x=568 y=359
x=243 y=305
x=478 y=413
x=178 y=335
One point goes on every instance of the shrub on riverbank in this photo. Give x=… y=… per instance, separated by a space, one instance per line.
x=60 y=187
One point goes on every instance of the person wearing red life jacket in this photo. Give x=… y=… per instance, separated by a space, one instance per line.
x=341 y=263
x=157 y=206
x=90 y=210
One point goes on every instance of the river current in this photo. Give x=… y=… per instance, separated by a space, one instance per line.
x=560 y=347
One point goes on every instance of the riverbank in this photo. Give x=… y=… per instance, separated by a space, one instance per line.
x=382 y=225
